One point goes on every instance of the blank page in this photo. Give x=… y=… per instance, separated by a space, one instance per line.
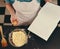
x=46 y=21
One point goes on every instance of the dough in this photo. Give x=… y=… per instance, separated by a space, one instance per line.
x=19 y=38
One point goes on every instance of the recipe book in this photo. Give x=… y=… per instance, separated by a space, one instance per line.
x=46 y=21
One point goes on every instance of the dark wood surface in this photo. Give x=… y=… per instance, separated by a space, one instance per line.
x=34 y=42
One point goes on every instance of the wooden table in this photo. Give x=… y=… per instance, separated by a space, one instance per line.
x=34 y=42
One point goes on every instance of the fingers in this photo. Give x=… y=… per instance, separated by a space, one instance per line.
x=14 y=21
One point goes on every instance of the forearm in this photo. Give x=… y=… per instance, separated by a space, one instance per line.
x=10 y=9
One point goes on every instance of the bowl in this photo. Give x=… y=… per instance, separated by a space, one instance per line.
x=18 y=38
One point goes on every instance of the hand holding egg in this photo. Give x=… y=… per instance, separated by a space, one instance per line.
x=15 y=22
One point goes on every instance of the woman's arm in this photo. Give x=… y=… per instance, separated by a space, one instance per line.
x=10 y=9
x=12 y=12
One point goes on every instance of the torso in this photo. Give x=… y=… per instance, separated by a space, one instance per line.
x=26 y=11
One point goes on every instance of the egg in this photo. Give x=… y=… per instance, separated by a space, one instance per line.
x=14 y=23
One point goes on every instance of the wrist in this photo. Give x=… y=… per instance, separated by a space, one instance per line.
x=13 y=14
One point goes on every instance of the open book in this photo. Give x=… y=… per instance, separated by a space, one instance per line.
x=46 y=21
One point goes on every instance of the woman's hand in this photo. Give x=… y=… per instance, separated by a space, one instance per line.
x=14 y=20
